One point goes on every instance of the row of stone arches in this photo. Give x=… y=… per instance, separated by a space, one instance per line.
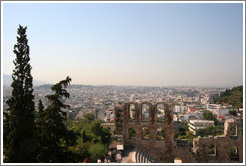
x=147 y=112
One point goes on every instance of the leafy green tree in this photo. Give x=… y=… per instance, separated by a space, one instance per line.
x=97 y=151
x=208 y=115
x=21 y=139
x=233 y=112
x=81 y=124
x=217 y=130
x=95 y=127
x=54 y=136
x=183 y=130
x=90 y=136
x=89 y=117
x=83 y=136
x=205 y=132
x=189 y=136
x=106 y=136
x=81 y=150
x=94 y=132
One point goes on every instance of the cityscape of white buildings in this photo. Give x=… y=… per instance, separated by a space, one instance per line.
x=189 y=102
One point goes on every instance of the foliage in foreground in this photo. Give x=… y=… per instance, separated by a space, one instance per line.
x=54 y=138
x=43 y=136
x=92 y=139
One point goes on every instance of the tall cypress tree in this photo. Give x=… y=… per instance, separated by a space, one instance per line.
x=21 y=139
x=41 y=127
x=54 y=136
x=6 y=128
x=40 y=107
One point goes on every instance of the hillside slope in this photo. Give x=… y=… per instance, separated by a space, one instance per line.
x=232 y=96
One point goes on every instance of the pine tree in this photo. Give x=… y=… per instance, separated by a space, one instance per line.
x=21 y=139
x=55 y=138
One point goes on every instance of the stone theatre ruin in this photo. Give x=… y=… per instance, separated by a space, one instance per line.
x=149 y=128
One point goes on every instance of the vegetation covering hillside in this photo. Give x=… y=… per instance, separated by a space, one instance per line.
x=232 y=96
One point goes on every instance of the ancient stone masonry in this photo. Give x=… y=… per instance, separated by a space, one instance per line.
x=118 y=120
x=135 y=120
x=225 y=148
x=149 y=127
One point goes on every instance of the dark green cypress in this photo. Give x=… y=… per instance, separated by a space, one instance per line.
x=6 y=129
x=55 y=137
x=21 y=139
x=41 y=127
x=40 y=107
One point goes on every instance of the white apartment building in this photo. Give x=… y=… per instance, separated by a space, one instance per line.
x=213 y=107
x=195 y=125
x=179 y=108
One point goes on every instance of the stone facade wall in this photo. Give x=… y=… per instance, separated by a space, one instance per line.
x=222 y=144
x=118 y=120
x=161 y=150
x=183 y=151
x=165 y=150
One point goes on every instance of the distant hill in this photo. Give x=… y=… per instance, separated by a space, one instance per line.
x=232 y=96
x=44 y=86
x=7 y=80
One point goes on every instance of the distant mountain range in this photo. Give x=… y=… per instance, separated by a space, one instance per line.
x=7 y=80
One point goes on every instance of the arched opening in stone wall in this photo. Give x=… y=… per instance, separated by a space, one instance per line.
x=145 y=133
x=233 y=130
x=145 y=112
x=212 y=150
x=234 y=153
x=160 y=133
x=160 y=112
x=132 y=112
x=132 y=132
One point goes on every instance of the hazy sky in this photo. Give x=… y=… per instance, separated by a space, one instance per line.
x=129 y=44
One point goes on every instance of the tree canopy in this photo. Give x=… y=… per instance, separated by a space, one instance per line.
x=208 y=115
x=217 y=130
x=92 y=139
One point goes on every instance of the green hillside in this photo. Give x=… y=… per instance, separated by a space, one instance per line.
x=232 y=96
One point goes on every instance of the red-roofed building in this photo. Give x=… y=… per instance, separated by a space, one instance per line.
x=192 y=110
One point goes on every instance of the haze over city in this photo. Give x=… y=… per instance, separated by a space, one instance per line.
x=160 y=44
